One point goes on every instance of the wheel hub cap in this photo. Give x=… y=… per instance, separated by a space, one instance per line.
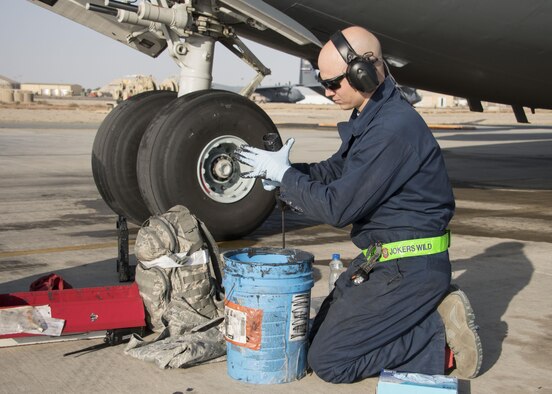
x=219 y=174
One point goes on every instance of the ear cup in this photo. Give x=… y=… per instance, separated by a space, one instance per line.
x=362 y=75
x=361 y=72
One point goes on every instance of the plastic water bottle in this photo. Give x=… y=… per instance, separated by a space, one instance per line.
x=336 y=268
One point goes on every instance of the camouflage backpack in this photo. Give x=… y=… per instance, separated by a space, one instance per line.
x=179 y=267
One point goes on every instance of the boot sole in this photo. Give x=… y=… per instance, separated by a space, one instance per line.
x=469 y=317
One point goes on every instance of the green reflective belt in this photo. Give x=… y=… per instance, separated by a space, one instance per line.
x=411 y=247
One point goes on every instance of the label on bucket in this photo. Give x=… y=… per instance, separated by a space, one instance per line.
x=243 y=325
x=298 y=322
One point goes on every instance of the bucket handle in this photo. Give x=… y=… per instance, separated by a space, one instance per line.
x=230 y=292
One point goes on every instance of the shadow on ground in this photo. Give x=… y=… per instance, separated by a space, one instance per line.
x=492 y=280
x=100 y=273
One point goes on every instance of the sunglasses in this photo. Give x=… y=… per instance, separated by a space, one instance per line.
x=331 y=83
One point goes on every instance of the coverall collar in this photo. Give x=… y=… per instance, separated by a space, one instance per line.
x=358 y=121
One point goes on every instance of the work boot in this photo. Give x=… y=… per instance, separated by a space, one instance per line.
x=461 y=332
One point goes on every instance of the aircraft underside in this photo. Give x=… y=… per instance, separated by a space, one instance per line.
x=159 y=149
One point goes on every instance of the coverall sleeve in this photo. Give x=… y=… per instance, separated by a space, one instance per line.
x=374 y=173
x=325 y=171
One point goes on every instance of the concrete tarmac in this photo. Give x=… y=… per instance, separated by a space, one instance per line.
x=53 y=220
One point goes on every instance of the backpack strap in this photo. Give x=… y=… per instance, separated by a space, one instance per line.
x=216 y=262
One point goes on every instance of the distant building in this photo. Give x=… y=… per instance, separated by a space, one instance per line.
x=123 y=88
x=6 y=83
x=53 y=89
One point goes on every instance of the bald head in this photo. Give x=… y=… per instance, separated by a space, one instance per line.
x=360 y=39
x=332 y=65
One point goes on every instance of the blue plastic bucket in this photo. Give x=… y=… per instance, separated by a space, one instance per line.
x=266 y=309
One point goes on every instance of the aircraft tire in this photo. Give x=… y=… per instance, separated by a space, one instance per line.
x=115 y=150
x=185 y=158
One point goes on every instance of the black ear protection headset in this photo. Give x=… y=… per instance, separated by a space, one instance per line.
x=361 y=72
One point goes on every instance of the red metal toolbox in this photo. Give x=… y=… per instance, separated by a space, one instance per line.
x=86 y=309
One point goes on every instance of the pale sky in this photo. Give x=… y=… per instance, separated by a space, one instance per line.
x=41 y=46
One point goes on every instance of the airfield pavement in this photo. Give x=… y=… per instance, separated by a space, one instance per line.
x=53 y=220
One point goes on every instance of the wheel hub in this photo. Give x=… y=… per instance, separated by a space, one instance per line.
x=223 y=168
x=219 y=174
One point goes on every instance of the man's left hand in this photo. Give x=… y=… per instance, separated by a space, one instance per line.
x=266 y=164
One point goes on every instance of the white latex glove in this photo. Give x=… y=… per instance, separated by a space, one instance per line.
x=270 y=185
x=267 y=165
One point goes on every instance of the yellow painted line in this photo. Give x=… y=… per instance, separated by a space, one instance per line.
x=431 y=126
x=450 y=127
x=237 y=244
x=61 y=249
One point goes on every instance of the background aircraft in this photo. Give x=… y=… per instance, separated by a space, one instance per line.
x=156 y=150
x=280 y=94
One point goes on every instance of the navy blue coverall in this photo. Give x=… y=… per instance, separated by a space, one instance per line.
x=389 y=180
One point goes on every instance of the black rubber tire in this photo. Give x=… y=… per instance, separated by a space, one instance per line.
x=170 y=151
x=115 y=151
